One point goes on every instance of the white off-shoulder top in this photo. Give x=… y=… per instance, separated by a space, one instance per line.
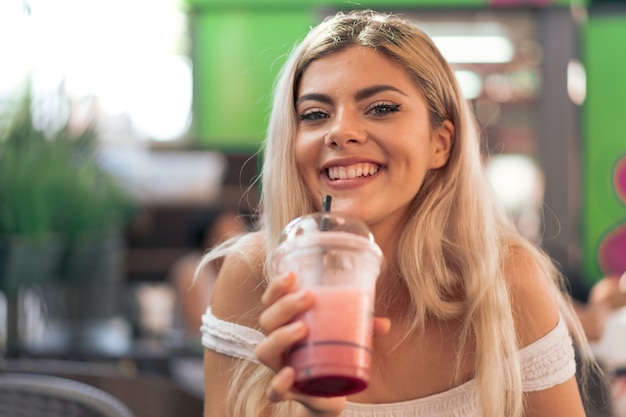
x=546 y=362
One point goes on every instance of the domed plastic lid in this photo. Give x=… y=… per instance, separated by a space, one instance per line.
x=325 y=222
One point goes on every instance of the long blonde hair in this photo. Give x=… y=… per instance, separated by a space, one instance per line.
x=456 y=236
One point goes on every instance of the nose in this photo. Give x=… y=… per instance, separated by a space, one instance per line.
x=345 y=130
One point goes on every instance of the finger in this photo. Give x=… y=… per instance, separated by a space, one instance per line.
x=284 y=310
x=277 y=288
x=280 y=387
x=271 y=350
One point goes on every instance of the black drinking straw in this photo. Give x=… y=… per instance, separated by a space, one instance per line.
x=326 y=201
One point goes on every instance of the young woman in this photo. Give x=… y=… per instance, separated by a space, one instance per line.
x=470 y=317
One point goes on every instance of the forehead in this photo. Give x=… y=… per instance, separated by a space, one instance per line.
x=357 y=65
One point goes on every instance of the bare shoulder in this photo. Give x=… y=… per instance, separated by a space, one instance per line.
x=533 y=296
x=240 y=282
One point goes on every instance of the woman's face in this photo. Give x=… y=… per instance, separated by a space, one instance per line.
x=363 y=135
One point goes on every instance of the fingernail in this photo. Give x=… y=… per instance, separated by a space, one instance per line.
x=301 y=294
x=288 y=278
x=296 y=327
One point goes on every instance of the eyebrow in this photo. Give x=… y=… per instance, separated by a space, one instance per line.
x=322 y=98
x=373 y=90
x=360 y=95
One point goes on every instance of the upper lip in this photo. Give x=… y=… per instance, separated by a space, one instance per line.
x=342 y=162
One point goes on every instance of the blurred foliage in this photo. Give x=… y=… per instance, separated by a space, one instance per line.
x=56 y=184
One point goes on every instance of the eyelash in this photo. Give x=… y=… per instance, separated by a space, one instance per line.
x=382 y=109
x=378 y=110
x=313 y=115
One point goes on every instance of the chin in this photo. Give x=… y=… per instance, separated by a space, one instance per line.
x=357 y=209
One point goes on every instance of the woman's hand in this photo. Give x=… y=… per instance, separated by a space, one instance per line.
x=283 y=303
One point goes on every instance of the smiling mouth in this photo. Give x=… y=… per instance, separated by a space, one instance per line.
x=352 y=171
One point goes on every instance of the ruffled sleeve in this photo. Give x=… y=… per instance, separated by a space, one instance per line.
x=548 y=361
x=229 y=338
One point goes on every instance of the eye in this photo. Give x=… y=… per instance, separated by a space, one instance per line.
x=313 y=115
x=382 y=109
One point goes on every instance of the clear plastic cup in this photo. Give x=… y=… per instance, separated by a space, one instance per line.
x=336 y=258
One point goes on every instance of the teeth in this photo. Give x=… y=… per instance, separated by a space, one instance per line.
x=352 y=171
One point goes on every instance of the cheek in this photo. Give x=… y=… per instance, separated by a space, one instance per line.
x=306 y=153
x=299 y=155
x=305 y=158
x=416 y=163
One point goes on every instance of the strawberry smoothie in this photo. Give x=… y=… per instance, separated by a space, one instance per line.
x=335 y=357
x=340 y=268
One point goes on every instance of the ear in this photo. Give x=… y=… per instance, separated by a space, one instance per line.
x=442 y=139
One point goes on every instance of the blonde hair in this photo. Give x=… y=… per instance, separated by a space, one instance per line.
x=452 y=248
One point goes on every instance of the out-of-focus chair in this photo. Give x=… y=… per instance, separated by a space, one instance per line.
x=36 y=395
x=145 y=395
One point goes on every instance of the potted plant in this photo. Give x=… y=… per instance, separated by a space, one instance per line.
x=29 y=174
x=61 y=213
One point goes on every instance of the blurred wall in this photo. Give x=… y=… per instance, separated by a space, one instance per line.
x=603 y=211
x=236 y=55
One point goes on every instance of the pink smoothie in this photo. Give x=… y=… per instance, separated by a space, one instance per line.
x=335 y=358
x=340 y=268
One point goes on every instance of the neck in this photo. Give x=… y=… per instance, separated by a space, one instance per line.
x=392 y=295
